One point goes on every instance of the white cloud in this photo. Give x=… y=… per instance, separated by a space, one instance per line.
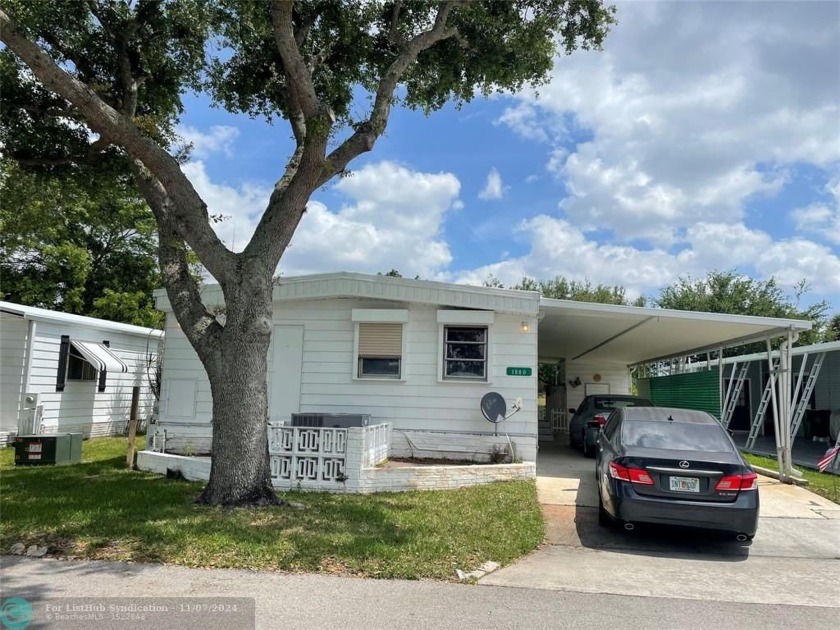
x=394 y=220
x=690 y=111
x=559 y=248
x=242 y=206
x=218 y=138
x=494 y=189
x=822 y=218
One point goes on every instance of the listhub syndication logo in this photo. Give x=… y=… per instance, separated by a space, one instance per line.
x=15 y=613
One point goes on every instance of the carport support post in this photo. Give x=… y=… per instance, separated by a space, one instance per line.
x=720 y=380
x=775 y=384
x=786 y=367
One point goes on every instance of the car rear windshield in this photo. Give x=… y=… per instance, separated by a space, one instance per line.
x=676 y=436
x=618 y=403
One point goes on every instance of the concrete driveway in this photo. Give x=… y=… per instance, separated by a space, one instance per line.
x=794 y=559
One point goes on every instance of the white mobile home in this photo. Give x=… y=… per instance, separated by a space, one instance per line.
x=420 y=356
x=67 y=373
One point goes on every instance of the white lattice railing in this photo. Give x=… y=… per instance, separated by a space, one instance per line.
x=559 y=420
x=377 y=444
x=315 y=457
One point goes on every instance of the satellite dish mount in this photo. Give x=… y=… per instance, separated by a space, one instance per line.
x=494 y=409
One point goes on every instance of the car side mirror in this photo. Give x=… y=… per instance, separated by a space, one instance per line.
x=571 y=411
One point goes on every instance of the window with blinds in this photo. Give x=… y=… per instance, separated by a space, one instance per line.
x=380 y=350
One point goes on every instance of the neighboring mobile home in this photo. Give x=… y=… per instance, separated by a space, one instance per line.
x=67 y=373
x=815 y=388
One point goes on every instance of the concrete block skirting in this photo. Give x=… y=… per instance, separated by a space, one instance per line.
x=369 y=480
x=193 y=468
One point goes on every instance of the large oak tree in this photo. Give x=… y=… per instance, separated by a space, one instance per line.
x=122 y=66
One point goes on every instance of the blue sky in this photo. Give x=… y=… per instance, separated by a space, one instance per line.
x=705 y=136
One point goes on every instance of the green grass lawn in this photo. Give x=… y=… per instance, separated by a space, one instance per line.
x=823 y=484
x=100 y=510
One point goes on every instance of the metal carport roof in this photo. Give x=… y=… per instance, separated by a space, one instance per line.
x=632 y=335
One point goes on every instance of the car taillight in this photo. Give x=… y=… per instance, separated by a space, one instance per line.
x=601 y=420
x=731 y=483
x=633 y=475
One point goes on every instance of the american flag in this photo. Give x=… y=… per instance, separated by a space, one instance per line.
x=830 y=454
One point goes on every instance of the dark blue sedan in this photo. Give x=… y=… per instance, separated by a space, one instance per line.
x=674 y=467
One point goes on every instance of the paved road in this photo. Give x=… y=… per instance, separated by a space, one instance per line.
x=315 y=601
x=794 y=559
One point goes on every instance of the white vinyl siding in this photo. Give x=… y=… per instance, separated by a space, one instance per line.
x=615 y=375
x=13 y=333
x=420 y=400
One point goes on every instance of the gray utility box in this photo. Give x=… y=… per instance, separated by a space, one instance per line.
x=48 y=450
x=330 y=420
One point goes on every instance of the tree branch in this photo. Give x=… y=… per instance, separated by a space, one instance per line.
x=198 y=324
x=298 y=77
x=369 y=131
x=187 y=207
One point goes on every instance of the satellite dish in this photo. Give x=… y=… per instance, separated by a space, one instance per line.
x=493 y=407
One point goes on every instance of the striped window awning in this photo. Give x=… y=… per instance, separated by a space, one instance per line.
x=99 y=356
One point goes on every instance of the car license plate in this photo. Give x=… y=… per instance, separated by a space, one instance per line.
x=685 y=484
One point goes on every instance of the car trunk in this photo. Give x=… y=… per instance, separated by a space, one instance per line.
x=684 y=475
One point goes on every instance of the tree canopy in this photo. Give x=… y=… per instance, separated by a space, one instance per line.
x=110 y=75
x=733 y=293
x=83 y=245
x=561 y=288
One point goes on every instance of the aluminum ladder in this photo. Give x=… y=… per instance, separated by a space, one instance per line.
x=762 y=406
x=802 y=403
x=733 y=392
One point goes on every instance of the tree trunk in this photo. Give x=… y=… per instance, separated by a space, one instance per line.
x=240 y=474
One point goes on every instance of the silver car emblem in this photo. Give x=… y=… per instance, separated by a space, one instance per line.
x=684 y=464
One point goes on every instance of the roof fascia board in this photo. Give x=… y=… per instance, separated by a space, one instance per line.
x=816 y=348
x=776 y=332
x=386 y=288
x=43 y=315
x=612 y=309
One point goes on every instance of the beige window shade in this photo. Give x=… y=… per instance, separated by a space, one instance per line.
x=380 y=340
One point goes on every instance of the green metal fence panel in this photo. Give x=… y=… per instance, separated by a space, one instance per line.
x=695 y=390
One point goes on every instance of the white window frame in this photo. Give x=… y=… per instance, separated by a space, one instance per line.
x=465 y=319
x=378 y=316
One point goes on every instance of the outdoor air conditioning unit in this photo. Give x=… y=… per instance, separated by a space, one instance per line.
x=330 y=420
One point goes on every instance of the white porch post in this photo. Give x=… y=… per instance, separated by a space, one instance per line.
x=786 y=368
x=720 y=380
